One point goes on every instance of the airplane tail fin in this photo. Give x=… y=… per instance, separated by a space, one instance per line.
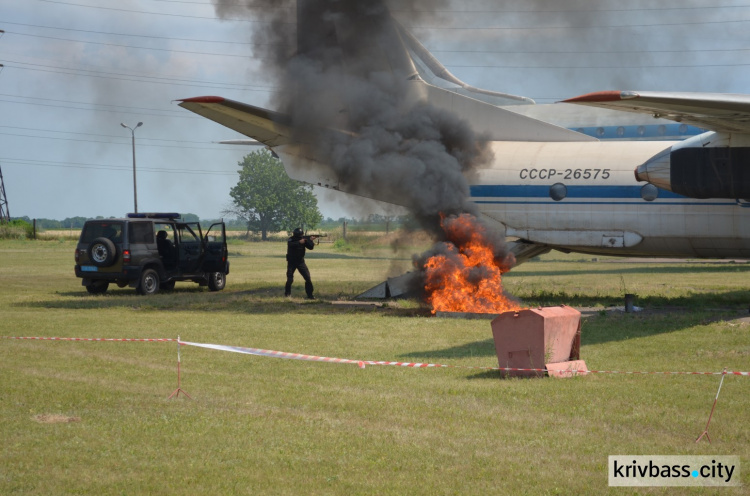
x=358 y=46
x=433 y=72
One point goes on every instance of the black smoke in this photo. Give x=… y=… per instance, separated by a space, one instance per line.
x=345 y=81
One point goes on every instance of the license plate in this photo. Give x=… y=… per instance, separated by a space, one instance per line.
x=89 y=268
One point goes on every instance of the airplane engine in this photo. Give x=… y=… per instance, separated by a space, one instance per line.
x=710 y=165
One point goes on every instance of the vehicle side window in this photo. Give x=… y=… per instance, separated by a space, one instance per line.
x=102 y=229
x=141 y=232
x=215 y=233
x=167 y=228
x=187 y=235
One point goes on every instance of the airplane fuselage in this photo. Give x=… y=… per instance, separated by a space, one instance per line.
x=584 y=197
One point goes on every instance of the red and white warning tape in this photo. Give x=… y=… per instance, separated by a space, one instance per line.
x=363 y=363
x=90 y=339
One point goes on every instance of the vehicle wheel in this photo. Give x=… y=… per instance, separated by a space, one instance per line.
x=167 y=286
x=149 y=283
x=102 y=252
x=216 y=281
x=97 y=287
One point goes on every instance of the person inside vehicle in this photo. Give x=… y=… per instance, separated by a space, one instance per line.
x=111 y=233
x=295 y=260
x=165 y=247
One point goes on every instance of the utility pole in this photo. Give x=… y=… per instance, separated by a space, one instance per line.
x=4 y=211
x=135 y=189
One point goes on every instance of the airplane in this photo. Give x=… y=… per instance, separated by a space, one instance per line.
x=621 y=173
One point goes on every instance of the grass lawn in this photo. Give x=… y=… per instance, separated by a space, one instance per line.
x=94 y=418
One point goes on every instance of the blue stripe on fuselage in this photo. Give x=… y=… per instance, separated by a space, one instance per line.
x=611 y=195
x=653 y=132
x=574 y=191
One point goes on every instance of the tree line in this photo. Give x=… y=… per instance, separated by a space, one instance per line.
x=265 y=200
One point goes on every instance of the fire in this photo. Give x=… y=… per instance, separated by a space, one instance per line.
x=467 y=276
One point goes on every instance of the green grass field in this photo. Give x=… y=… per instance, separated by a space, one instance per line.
x=94 y=418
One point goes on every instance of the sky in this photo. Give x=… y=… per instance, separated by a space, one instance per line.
x=74 y=70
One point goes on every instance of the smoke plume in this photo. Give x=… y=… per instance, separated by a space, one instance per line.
x=345 y=80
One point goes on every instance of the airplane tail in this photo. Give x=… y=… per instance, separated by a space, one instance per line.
x=433 y=72
x=333 y=34
x=356 y=67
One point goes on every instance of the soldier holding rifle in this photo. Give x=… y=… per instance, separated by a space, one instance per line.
x=295 y=260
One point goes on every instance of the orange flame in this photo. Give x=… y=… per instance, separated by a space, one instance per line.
x=468 y=276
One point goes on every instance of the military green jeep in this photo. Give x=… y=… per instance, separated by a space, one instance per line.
x=149 y=252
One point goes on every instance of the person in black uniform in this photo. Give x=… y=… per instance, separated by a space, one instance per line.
x=295 y=260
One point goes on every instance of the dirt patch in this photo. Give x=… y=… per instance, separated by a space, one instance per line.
x=52 y=418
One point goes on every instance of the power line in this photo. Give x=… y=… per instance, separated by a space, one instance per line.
x=181 y=147
x=161 y=13
x=100 y=110
x=448 y=11
x=597 y=67
x=516 y=52
x=177 y=113
x=586 y=26
x=132 y=77
x=213 y=54
x=589 y=52
x=101 y=135
x=137 y=35
x=84 y=165
x=537 y=11
x=480 y=11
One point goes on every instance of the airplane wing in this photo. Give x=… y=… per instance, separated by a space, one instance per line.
x=263 y=125
x=721 y=112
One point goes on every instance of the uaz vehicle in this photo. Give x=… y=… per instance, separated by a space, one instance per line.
x=149 y=252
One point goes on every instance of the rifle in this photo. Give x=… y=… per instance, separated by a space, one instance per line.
x=313 y=237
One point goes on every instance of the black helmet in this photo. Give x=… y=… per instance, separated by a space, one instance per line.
x=297 y=233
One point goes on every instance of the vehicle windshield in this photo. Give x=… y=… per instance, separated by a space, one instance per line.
x=102 y=229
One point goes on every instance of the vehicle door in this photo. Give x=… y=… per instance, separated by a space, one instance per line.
x=215 y=242
x=166 y=243
x=190 y=250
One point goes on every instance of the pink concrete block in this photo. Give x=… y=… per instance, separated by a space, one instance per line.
x=532 y=338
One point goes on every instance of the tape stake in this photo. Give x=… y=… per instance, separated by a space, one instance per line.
x=705 y=431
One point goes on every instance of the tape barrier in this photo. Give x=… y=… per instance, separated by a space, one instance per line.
x=92 y=339
x=363 y=363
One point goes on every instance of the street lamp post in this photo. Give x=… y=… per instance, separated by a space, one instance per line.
x=135 y=189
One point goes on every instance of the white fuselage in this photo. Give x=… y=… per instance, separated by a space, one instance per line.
x=604 y=209
x=598 y=205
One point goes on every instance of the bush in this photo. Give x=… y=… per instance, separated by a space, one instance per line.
x=16 y=229
x=342 y=245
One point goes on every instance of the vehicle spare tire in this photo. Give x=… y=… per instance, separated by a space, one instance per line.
x=102 y=252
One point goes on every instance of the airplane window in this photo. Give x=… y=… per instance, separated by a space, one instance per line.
x=683 y=128
x=641 y=130
x=600 y=131
x=662 y=129
x=649 y=192
x=558 y=191
x=621 y=131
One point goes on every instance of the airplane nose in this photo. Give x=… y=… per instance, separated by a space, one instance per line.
x=657 y=170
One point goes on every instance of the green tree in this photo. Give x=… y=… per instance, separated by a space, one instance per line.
x=190 y=218
x=268 y=200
